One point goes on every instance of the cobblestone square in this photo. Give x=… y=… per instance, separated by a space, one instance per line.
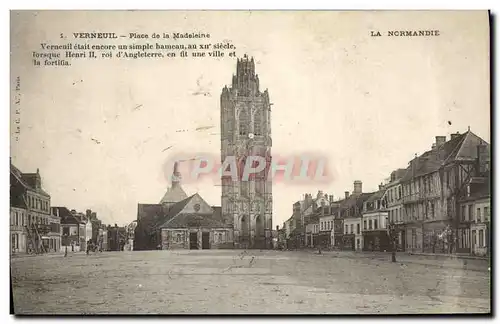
x=248 y=282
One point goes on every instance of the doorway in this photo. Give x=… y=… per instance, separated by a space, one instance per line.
x=193 y=241
x=205 y=240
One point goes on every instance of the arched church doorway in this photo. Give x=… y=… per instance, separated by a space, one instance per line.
x=260 y=238
x=245 y=230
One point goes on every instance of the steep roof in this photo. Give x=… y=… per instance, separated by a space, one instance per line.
x=460 y=147
x=176 y=219
x=376 y=196
x=174 y=194
x=27 y=180
x=66 y=216
x=355 y=204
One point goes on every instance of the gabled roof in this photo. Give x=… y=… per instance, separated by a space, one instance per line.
x=460 y=147
x=355 y=200
x=172 y=212
x=176 y=219
x=27 y=180
x=376 y=196
x=175 y=209
x=66 y=216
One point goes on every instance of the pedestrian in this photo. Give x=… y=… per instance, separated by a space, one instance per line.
x=89 y=246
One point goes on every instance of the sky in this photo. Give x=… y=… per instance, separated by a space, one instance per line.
x=103 y=132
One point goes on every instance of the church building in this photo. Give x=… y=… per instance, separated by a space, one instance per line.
x=246 y=131
x=181 y=222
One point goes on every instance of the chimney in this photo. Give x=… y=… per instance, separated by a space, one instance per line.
x=277 y=227
x=326 y=197
x=358 y=187
x=381 y=186
x=320 y=193
x=440 y=140
x=94 y=215
x=346 y=194
x=330 y=198
x=88 y=213
x=433 y=146
x=453 y=136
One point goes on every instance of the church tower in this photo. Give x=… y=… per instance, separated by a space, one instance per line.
x=175 y=193
x=246 y=131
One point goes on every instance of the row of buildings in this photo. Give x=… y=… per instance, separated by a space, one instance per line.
x=38 y=227
x=439 y=203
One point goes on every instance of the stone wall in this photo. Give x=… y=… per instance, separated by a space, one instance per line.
x=174 y=239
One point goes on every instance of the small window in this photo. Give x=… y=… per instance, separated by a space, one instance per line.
x=358 y=228
x=370 y=224
x=375 y=224
x=478 y=215
x=364 y=224
x=178 y=237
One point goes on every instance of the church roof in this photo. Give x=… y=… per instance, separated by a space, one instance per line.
x=174 y=194
x=176 y=219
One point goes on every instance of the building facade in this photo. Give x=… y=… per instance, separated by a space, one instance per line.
x=394 y=201
x=193 y=224
x=375 y=217
x=474 y=229
x=32 y=226
x=433 y=187
x=351 y=212
x=245 y=132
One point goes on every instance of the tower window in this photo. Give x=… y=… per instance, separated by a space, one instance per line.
x=257 y=123
x=244 y=122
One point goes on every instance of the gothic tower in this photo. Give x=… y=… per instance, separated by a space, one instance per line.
x=246 y=131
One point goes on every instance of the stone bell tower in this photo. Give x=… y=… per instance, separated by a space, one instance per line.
x=246 y=131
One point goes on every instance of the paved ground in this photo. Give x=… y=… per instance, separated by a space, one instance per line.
x=229 y=281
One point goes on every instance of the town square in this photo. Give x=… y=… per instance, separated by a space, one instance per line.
x=335 y=179
x=248 y=282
